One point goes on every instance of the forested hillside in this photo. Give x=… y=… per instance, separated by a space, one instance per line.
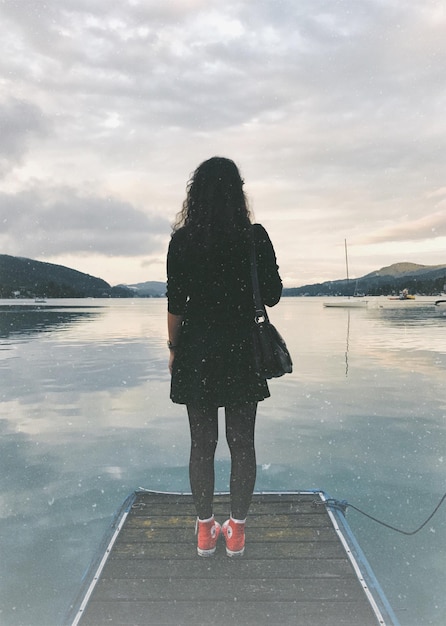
x=21 y=277
x=426 y=280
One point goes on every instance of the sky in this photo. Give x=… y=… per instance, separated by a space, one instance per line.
x=334 y=111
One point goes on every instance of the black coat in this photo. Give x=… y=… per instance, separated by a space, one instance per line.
x=213 y=293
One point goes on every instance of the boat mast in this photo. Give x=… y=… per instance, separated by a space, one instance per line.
x=346 y=257
x=346 y=266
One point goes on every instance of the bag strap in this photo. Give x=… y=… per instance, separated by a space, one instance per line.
x=260 y=312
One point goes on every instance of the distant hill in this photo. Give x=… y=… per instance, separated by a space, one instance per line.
x=407 y=269
x=21 y=277
x=418 y=279
x=398 y=269
x=149 y=289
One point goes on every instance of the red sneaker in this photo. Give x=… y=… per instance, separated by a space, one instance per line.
x=208 y=531
x=234 y=534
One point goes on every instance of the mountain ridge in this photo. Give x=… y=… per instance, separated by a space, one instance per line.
x=391 y=279
x=148 y=289
x=27 y=278
x=403 y=267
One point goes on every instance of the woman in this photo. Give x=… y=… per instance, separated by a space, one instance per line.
x=210 y=318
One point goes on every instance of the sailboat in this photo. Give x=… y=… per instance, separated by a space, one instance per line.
x=350 y=302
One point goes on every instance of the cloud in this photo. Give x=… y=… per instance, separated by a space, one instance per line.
x=49 y=222
x=428 y=227
x=21 y=123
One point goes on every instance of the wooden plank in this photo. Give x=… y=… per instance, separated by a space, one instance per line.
x=193 y=613
x=294 y=571
x=246 y=589
x=260 y=505
x=178 y=534
x=253 y=550
x=221 y=568
x=276 y=520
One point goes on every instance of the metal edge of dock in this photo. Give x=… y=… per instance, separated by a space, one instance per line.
x=363 y=570
x=94 y=570
x=374 y=594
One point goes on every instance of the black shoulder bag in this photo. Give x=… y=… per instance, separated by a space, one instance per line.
x=271 y=356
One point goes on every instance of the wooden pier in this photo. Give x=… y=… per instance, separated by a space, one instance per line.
x=302 y=567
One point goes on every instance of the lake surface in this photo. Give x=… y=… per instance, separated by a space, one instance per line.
x=85 y=419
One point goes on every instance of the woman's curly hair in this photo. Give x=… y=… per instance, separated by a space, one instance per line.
x=215 y=204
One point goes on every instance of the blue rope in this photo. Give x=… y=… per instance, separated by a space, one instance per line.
x=343 y=504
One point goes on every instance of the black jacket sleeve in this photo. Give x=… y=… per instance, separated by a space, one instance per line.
x=176 y=279
x=267 y=268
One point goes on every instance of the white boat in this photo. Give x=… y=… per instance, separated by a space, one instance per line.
x=441 y=305
x=351 y=302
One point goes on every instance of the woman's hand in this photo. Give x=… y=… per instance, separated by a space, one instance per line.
x=174 y=328
x=171 y=359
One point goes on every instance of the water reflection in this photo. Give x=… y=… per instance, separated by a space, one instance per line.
x=25 y=320
x=410 y=316
x=347 y=343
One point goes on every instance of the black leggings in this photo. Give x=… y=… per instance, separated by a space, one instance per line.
x=240 y=423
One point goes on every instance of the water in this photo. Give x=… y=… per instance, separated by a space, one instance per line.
x=85 y=419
